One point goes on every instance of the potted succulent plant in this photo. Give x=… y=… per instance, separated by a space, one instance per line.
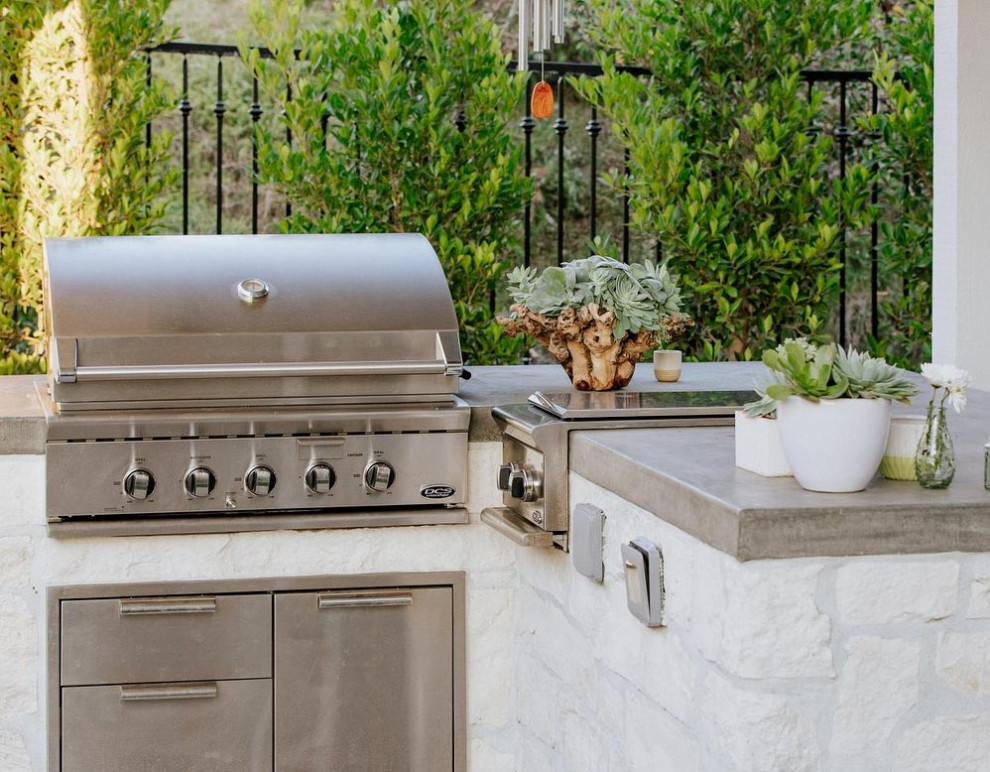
x=833 y=411
x=596 y=316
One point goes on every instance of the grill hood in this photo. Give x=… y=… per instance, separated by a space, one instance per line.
x=148 y=321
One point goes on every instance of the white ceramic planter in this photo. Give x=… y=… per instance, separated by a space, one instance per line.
x=833 y=445
x=758 y=446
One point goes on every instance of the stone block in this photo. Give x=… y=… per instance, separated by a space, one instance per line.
x=23 y=501
x=754 y=731
x=562 y=644
x=963 y=661
x=655 y=661
x=979 y=596
x=18 y=658
x=534 y=756
x=483 y=755
x=581 y=738
x=771 y=625
x=536 y=697
x=945 y=744
x=15 y=561
x=13 y=755
x=654 y=740
x=878 y=686
x=489 y=634
x=872 y=591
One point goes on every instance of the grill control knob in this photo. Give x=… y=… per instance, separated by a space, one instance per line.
x=504 y=474
x=200 y=482
x=320 y=478
x=260 y=480
x=525 y=484
x=379 y=476
x=139 y=484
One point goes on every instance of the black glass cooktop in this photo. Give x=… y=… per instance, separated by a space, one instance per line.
x=578 y=405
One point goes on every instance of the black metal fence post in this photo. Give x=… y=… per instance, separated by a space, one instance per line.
x=185 y=107
x=256 y=113
x=560 y=127
x=528 y=123
x=218 y=110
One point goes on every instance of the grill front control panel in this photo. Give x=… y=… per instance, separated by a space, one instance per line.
x=128 y=478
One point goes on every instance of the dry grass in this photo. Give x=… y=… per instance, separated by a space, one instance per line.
x=221 y=21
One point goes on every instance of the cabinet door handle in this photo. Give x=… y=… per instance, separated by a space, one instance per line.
x=188 y=691
x=339 y=600
x=142 y=606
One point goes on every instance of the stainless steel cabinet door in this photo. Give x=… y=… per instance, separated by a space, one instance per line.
x=364 y=680
x=223 y=726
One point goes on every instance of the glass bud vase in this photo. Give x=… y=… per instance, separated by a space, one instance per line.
x=935 y=459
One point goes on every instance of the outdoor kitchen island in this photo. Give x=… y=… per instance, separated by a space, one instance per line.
x=802 y=631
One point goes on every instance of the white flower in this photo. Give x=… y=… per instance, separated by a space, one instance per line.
x=946 y=375
x=952 y=379
x=957 y=399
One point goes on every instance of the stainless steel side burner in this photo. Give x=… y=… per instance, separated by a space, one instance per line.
x=536 y=454
x=204 y=381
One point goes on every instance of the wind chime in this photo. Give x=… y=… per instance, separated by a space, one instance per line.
x=544 y=20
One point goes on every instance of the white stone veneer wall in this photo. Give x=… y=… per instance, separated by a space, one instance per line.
x=852 y=664
x=30 y=562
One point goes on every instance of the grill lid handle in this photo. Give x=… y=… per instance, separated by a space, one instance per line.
x=445 y=364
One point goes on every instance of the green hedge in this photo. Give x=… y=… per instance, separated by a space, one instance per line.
x=73 y=160
x=725 y=173
x=375 y=101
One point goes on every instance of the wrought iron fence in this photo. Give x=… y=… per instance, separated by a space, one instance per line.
x=226 y=183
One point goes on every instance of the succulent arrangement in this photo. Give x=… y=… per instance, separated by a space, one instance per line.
x=596 y=316
x=804 y=369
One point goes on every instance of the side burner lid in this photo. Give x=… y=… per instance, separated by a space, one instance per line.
x=586 y=405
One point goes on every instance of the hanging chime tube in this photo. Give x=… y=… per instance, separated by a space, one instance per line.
x=544 y=20
x=524 y=29
x=558 y=20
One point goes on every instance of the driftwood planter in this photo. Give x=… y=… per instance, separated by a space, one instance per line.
x=583 y=341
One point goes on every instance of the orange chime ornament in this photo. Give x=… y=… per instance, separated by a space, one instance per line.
x=541 y=103
x=545 y=19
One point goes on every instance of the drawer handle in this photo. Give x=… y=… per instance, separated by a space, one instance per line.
x=362 y=601
x=190 y=691
x=142 y=606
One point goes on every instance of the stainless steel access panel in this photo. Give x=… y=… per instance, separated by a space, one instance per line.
x=363 y=680
x=348 y=672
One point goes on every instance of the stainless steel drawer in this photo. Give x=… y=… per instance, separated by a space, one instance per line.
x=180 y=727
x=364 y=680
x=187 y=638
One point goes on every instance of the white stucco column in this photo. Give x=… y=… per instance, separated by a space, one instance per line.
x=961 y=260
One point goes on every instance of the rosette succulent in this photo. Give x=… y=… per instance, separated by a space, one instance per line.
x=640 y=295
x=596 y=316
x=803 y=369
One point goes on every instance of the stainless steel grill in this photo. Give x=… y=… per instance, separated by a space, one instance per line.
x=195 y=379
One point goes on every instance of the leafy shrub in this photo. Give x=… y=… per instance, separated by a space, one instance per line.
x=724 y=169
x=375 y=145
x=75 y=161
x=904 y=73
x=17 y=317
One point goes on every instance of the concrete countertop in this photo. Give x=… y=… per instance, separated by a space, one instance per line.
x=687 y=476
